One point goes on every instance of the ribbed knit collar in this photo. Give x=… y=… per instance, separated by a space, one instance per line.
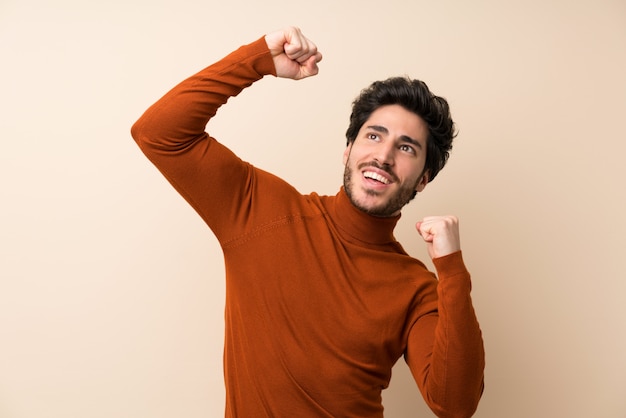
x=359 y=225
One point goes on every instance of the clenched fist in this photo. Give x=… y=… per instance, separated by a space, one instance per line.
x=441 y=234
x=295 y=56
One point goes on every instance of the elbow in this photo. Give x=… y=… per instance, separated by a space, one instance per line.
x=463 y=406
x=143 y=136
x=457 y=411
x=136 y=131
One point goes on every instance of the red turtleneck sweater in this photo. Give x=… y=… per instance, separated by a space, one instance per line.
x=321 y=300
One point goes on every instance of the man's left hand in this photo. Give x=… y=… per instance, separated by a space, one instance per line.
x=441 y=234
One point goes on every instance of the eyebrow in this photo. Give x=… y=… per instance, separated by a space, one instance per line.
x=404 y=138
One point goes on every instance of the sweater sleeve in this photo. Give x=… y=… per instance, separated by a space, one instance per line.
x=445 y=348
x=171 y=133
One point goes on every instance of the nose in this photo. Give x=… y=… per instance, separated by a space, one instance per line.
x=385 y=153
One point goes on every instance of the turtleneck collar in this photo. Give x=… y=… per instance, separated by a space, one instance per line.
x=360 y=225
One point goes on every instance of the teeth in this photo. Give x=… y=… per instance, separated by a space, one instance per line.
x=376 y=176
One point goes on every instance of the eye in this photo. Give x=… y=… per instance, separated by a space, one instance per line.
x=407 y=148
x=373 y=136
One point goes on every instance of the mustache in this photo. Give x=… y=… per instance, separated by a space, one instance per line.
x=383 y=167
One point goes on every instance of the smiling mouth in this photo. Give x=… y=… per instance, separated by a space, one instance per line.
x=376 y=177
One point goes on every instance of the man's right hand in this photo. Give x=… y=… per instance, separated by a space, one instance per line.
x=295 y=56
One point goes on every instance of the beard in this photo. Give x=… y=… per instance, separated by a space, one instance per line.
x=397 y=201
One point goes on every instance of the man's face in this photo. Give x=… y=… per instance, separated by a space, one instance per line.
x=385 y=163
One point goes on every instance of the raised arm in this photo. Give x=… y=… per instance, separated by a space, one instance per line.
x=445 y=351
x=178 y=120
x=171 y=133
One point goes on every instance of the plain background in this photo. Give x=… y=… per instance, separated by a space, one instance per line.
x=111 y=292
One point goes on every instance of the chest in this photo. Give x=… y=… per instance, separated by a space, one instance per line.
x=324 y=303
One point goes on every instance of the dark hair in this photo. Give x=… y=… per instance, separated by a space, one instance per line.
x=414 y=96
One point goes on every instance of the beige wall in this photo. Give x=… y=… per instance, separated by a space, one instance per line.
x=111 y=291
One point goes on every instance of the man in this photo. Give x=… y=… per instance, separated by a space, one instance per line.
x=321 y=300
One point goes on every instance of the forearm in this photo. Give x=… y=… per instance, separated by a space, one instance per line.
x=450 y=370
x=180 y=117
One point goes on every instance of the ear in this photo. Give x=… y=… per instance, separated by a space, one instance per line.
x=346 y=153
x=421 y=185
